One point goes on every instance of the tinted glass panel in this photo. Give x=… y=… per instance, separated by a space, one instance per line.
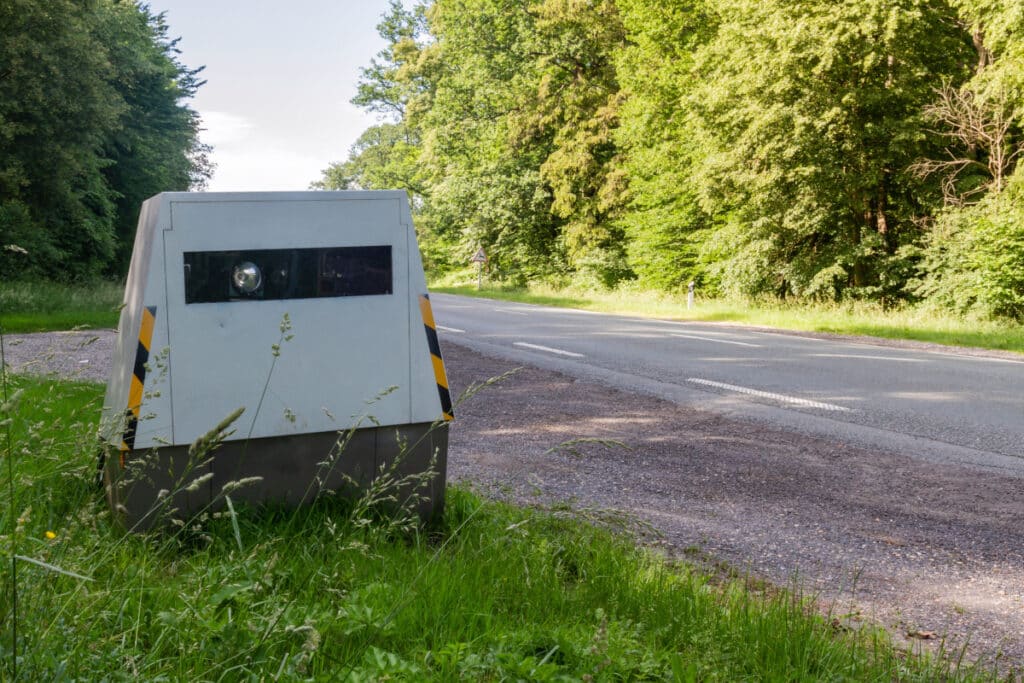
x=213 y=276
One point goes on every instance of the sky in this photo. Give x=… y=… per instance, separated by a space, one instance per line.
x=279 y=79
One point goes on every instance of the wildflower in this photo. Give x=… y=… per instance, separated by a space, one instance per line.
x=239 y=483
x=50 y=535
x=199 y=481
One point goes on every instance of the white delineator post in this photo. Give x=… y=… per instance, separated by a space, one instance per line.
x=479 y=258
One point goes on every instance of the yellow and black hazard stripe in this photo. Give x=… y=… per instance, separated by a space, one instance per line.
x=138 y=380
x=435 y=356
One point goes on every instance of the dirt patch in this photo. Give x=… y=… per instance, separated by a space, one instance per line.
x=917 y=547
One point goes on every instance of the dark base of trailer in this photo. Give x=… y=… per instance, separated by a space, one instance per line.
x=155 y=486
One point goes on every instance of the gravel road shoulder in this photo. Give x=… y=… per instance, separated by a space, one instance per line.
x=879 y=537
x=84 y=355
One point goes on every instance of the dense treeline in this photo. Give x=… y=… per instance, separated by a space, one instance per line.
x=92 y=121
x=864 y=149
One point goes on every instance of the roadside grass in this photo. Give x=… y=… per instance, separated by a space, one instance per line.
x=335 y=591
x=46 y=306
x=853 y=318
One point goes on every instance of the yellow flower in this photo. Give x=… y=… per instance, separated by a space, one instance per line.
x=50 y=535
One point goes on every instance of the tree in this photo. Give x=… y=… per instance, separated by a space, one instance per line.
x=155 y=147
x=972 y=260
x=508 y=111
x=57 y=105
x=810 y=112
x=982 y=150
x=661 y=217
x=90 y=124
x=384 y=157
x=575 y=105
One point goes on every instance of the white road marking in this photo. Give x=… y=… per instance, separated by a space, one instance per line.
x=766 y=394
x=855 y=355
x=985 y=359
x=538 y=347
x=509 y=311
x=451 y=329
x=720 y=341
x=799 y=337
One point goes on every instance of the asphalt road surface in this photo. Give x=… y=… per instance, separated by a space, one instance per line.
x=928 y=402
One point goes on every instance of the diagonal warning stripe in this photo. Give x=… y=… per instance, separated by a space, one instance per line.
x=440 y=376
x=138 y=381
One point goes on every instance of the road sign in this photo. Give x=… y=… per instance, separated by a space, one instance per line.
x=479 y=256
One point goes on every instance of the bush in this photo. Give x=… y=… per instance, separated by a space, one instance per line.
x=974 y=258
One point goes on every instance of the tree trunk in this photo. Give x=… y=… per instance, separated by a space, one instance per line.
x=984 y=54
x=859 y=270
x=887 y=231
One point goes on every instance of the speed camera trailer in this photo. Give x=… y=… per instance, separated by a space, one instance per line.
x=307 y=309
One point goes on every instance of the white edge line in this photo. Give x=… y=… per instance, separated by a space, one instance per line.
x=766 y=394
x=720 y=341
x=538 y=347
x=451 y=329
x=866 y=357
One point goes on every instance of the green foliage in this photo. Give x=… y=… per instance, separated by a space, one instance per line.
x=328 y=593
x=57 y=104
x=808 y=113
x=663 y=221
x=485 y=173
x=383 y=158
x=155 y=147
x=575 y=105
x=90 y=123
x=974 y=259
x=795 y=149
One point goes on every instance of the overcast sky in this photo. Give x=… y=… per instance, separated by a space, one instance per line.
x=279 y=79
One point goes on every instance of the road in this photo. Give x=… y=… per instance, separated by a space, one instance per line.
x=929 y=403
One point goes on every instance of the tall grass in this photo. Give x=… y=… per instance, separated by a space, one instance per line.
x=43 y=306
x=339 y=591
x=850 y=318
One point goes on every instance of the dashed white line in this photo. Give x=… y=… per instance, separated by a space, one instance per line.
x=721 y=341
x=767 y=394
x=451 y=329
x=538 y=347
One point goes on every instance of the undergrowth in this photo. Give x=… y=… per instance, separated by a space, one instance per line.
x=40 y=306
x=340 y=590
